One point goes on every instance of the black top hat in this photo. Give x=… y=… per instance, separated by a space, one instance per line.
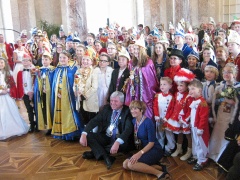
x=178 y=53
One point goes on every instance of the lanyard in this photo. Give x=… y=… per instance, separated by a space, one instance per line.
x=136 y=126
x=114 y=119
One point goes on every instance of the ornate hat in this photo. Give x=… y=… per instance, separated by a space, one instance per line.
x=177 y=52
x=194 y=54
x=182 y=22
x=163 y=38
x=171 y=25
x=33 y=31
x=184 y=75
x=140 y=41
x=206 y=38
x=236 y=20
x=88 y=53
x=124 y=53
x=180 y=31
x=76 y=37
x=23 y=34
x=46 y=53
x=233 y=37
x=69 y=38
x=61 y=29
x=211 y=21
x=155 y=32
x=190 y=32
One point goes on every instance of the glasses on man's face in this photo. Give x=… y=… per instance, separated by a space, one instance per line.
x=103 y=61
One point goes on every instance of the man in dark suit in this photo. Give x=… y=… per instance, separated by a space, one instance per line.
x=115 y=131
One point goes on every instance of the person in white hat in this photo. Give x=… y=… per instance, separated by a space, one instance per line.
x=234 y=50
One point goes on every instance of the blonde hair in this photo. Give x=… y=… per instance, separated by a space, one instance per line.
x=138 y=104
x=233 y=67
x=168 y=79
x=196 y=83
x=213 y=69
x=143 y=57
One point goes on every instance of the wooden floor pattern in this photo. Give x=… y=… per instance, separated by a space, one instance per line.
x=39 y=157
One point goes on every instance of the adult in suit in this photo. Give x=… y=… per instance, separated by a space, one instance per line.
x=120 y=74
x=115 y=131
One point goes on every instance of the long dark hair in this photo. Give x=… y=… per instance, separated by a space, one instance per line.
x=8 y=77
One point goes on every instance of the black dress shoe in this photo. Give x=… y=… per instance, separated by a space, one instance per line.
x=192 y=160
x=164 y=167
x=31 y=129
x=197 y=167
x=88 y=155
x=109 y=160
x=48 y=133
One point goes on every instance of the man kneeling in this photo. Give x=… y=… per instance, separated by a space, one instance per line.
x=115 y=131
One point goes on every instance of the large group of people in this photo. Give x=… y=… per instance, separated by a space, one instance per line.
x=159 y=93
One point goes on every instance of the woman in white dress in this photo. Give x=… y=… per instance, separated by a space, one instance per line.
x=226 y=112
x=11 y=122
x=17 y=58
x=104 y=72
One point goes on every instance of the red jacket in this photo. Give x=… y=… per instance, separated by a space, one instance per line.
x=9 y=51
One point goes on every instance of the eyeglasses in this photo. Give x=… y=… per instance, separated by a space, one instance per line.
x=103 y=61
x=227 y=72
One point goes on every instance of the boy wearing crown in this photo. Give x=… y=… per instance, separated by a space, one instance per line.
x=42 y=94
x=25 y=88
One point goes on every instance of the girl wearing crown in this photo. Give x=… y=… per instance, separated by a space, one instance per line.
x=142 y=83
x=66 y=122
x=12 y=124
x=85 y=88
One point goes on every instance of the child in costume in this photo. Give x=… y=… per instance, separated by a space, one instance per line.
x=11 y=122
x=25 y=88
x=225 y=96
x=211 y=73
x=66 y=122
x=163 y=105
x=181 y=107
x=85 y=88
x=42 y=93
x=198 y=118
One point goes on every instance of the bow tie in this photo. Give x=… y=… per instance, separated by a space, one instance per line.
x=26 y=69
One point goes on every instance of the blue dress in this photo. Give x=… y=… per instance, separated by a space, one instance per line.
x=147 y=133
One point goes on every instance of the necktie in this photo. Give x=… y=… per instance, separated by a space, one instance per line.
x=113 y=137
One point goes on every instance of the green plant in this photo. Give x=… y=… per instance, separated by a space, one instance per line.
x=48 y=27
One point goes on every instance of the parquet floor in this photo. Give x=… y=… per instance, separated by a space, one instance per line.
x=39 y=157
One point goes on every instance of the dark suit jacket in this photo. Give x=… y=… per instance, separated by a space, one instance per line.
x=113 y=83
x=103 y=119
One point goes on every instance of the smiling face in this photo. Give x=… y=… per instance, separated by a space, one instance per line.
x=115 y=103
x=233 y=47
x=136 y=112
x=192 y=61
x=206 y=55
x=228 y=74
x=79 y=51
x=194 y=91
x=209 y=74
x=86 y=62
x=136 y=51
x=103 y=62
x=63 y=59
x=46 y=61
x=175 y=61
x=159 y=49
x=182 y=87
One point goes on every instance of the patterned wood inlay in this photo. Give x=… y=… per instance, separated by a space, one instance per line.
x=37 y=157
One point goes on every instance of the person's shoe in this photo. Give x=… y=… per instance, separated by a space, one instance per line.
x=31 y=129
x=187 y=155
x=167 y=153
x=164 y=167
x=192 y=160
x=197 y=167
x=48 y=133
x=178 y=150
x=109 y=160
x=88 y=155
x=164 y=175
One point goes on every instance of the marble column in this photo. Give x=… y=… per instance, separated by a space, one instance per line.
x=76 y=17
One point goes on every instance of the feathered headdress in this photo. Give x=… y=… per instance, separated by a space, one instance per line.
x=180 y=31
x=184 y=75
